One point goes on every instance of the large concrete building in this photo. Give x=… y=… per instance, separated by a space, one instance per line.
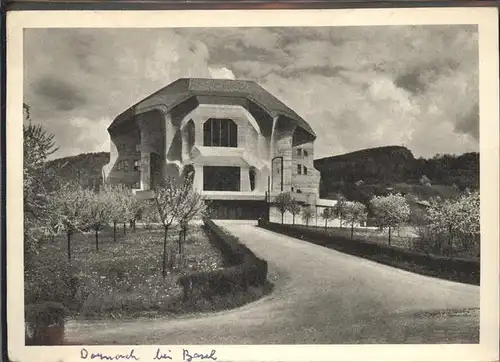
x=237 y=141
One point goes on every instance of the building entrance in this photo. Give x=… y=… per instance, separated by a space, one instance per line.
x=237 y=210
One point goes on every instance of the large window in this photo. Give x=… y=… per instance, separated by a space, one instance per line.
x=221 y=178
x=220 y=132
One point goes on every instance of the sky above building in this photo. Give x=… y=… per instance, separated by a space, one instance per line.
x=358 y=87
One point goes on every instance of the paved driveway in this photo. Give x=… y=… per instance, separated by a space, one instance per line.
x=320 y=296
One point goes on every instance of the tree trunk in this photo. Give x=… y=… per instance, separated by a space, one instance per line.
x=389 y=236
x=293 y=219
x=282 y=217
x=96 y=239
x=69 y=245
x=352 y=230
x=179 y=241
x=164 y=271
x=114 y=231
x=326 y=223
x=133 y=225
x=184 y=238
x=124 y=228
x=450 y=240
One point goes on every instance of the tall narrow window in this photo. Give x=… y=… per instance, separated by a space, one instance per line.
x=216 y=133
x=137 y=165
x=207 y=134
x=252 y=179
x=305 y=153
x=220 y=133
x=299 y=170
x=305 y=170
x=299 y=152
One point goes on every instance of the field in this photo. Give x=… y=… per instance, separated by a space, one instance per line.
x=122 y=279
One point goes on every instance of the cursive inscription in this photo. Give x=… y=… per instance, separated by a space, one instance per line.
x=187 y=356
x=84 y=354
x=160 y=355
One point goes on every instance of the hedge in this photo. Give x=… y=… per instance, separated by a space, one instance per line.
x=456 y=269
x=245 y=269
x=44 y=323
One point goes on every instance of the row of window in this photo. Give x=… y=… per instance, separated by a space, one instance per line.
x=123 y=165
x=125 y=146
x=301 y=170
x=301 y=152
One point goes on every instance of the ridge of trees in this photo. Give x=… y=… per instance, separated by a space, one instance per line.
x=385 y=166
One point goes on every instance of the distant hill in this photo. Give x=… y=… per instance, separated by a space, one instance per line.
x=357 y=175
x=362 y=174
x=86 y=168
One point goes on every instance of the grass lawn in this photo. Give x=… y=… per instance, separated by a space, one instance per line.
x=124 y=278
x=406 y=238
x=403 y=240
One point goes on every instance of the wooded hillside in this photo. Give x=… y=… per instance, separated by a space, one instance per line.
x=375 y=170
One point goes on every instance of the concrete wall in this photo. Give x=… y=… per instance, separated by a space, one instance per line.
x=249 y=138
x=124 y=148
x=305 y=183
x=282 y=147
x=176 y=134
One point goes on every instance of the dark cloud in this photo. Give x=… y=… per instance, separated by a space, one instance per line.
x=357 y=86
x=418 y=79
x=63 y=95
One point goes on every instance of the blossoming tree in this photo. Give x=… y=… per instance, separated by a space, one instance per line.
x=354 y=212
x=390 y=211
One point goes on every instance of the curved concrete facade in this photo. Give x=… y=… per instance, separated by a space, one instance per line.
x=163 y=136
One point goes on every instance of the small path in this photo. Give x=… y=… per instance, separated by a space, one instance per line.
x=320 y=296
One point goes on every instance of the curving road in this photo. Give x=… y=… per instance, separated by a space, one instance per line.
x=320 y=296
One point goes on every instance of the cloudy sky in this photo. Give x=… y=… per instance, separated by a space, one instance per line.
x=357 y=87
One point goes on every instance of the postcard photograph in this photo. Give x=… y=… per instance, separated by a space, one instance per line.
x=253 y=185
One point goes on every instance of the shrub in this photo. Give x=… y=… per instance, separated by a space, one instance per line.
x=52 y=280
x=44 y=323
x=246 y=270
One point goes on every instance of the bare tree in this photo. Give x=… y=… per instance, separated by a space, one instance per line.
x=193 y=206
x=97 y=212
x=149 y=214
x=307 y=214
x=69 y=204
x=282 y=202
x=114 y=196
x=327 y=214
x=294 y=208
x=354 y=212
x=339 y=209
x=169 y=200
